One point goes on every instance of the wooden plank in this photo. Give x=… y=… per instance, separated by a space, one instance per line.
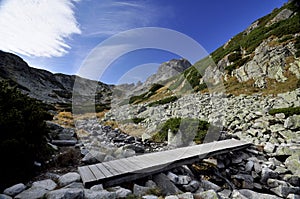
x=110 y=169
x=104 y=170
x=97 y=173
x=133 y=167
x=86 y=174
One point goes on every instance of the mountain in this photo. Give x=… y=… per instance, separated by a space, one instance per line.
x=54 y=89
x=263 y=58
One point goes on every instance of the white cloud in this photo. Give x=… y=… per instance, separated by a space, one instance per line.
x=113 y=16
x=37 y=27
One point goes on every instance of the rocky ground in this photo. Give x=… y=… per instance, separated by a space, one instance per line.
x=268 y=169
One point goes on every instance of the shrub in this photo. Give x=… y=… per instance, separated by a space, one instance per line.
x=192 y=129
x=164 y=101
x=287 y=111
x=23 y=134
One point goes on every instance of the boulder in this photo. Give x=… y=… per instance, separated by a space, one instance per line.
x=98 y=187
x=249 y=194
x=32 y=193
x=68 y=193
x=207 y=185
x=267 y=173
x=284 y=191
x=140 y=190
x=293 y=164
x=165 y=185
x=89 y=194
x=209 y=194
x=68 y=178
x=150 y=197
x=15 y=189
x=46 y=184
x=3 y=196
x=192 y=186
x=292 y=122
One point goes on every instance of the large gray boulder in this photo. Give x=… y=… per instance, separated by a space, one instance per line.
x=45 y=184
x=15 y=189
x=32 y=193
x=68 y=178
x=68 y=193
x=165 y=185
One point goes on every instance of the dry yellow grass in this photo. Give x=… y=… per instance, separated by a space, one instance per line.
x=132 y=129
x=64 y=119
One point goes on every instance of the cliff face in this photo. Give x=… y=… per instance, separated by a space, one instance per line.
x=266 y=53
x=167 y=70
x=45 y=86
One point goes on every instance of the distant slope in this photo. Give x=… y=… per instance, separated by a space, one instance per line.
x=55 y=89
x=263 y=58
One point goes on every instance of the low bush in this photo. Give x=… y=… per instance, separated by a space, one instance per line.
x=287 y=111
x=192 y=129
x=163 y=101
x=22 y=134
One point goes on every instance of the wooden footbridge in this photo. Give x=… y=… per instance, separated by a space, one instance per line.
x=132 y=168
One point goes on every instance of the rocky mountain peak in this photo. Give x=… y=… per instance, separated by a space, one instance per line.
x=168 y=69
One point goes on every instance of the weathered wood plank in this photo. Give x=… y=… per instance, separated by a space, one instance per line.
x=97 y=173
x=86 y=174
x=104 y=170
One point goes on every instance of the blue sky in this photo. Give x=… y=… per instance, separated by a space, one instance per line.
x=58 y=35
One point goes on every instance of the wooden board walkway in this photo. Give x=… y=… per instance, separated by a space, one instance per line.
x=132 y=168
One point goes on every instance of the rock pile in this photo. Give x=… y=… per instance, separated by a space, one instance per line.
x=250 y=173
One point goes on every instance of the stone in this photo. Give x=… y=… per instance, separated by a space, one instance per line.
x=249 y=194
x=269 y=147
x=237 y=195
x=292 y=179
x=292 y=122
x=151 y=184
x=68 y=178
x=3 y=196
x=171 y=197
x=47 y=184
x=225 y=193
x=293 y=196
x=77 y=185
x=267 y=173
x=93 y=157
x=192 y=186
x=243 y=181
x=98 y=187
x=140 y=190
x=122 y=192
x=165 y=185
x=173 y=177
x=284 y=191
x=65 y=194
x=108 y=158
x=293 y=164
x=150 y=197
x=89 y=194
x=15 y=189
x=32 y=193
x=209 y=194
x=249 y=166
x=187 y=195
x=207 y=185
x=275 y=183
x=183 y=180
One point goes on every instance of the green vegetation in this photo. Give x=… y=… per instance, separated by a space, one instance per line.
x=23 y=135
x=145 y=96
x=192 y=129
x=164 y=101
x=135 y=120
x=250 y=41
x=193 y=77
x=297 y=46
x=287 y=111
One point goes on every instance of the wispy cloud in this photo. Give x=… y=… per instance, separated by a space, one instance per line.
x=37 y=28
x=113 y=16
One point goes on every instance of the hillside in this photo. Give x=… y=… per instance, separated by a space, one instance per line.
x=263 y=58
x=54 y=89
